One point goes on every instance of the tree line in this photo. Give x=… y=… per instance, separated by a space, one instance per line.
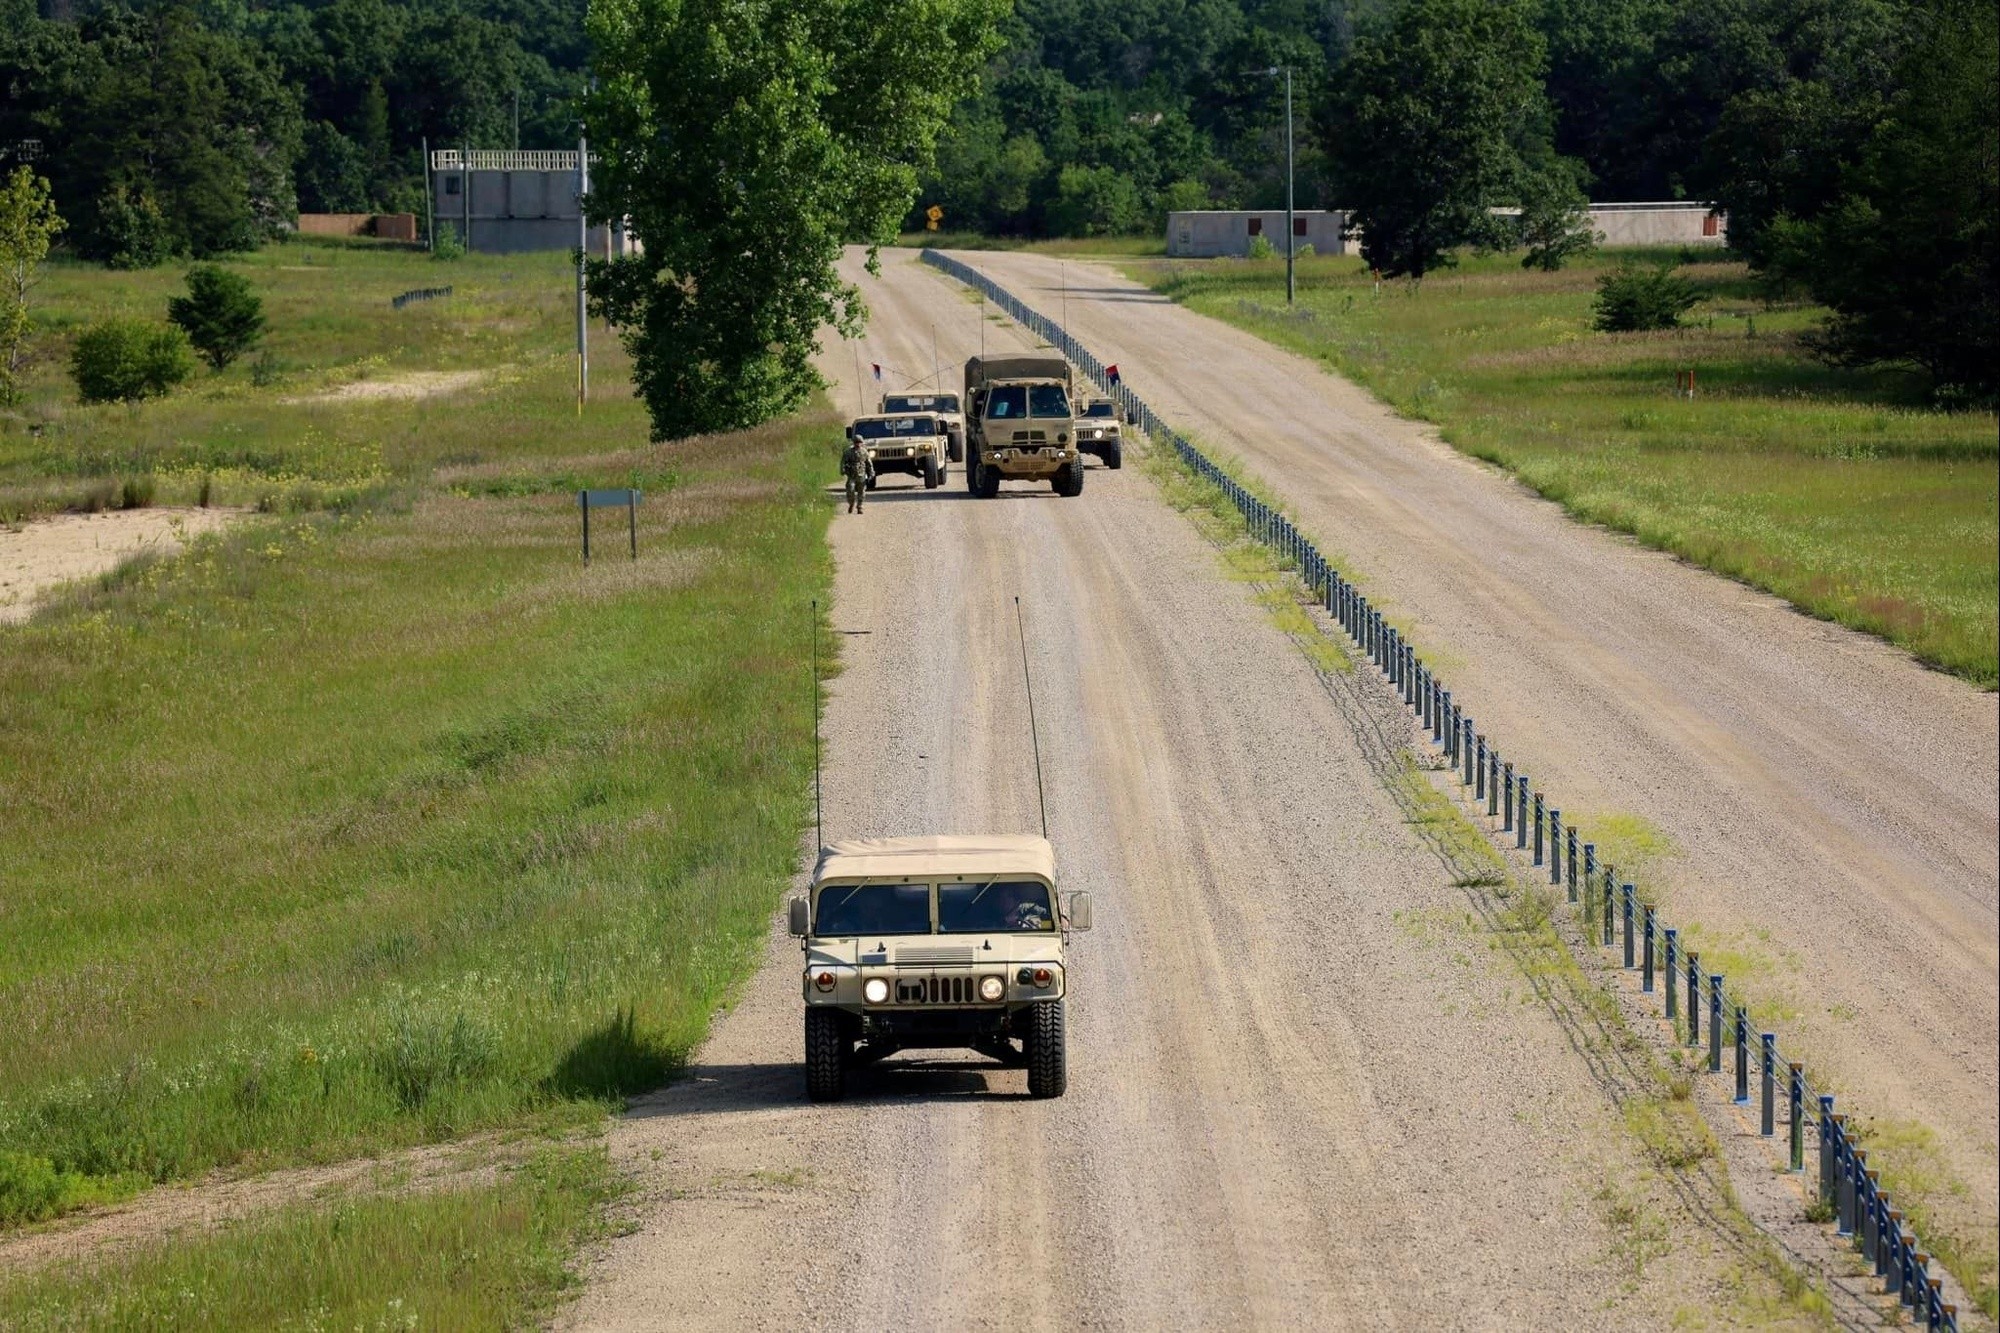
x=168 y=128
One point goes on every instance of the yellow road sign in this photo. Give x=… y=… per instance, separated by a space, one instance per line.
x=936 y=215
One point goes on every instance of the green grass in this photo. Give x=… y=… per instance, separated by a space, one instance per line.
x=489 y=1256
x=1835 y=489
x=375 y=825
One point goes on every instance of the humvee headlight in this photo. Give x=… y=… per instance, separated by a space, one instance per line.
x=875 y=991
x=824 y=981
x=1035 y=976
x=992 y=989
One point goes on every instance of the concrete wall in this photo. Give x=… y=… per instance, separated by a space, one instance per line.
x=520 y=202
x=1211 y=233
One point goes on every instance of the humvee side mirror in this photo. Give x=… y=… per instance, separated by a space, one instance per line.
x=1079 y=911
x=800 y=921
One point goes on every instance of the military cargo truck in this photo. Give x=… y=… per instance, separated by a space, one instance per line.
x=1098 y=432
x=1019 y=424
x=936 y=943
x=944 y=405
x=909 y=442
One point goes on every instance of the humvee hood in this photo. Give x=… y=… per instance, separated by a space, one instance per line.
x=945 y=854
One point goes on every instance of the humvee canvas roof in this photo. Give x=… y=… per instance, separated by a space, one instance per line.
x=947 y=854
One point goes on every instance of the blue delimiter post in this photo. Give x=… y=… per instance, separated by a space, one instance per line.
x=1646 y=980
x=1673 y=941
x=1521 y=820
x=1555 y=846
x=1715 y=1022
x=1628 y=927
x=1694 y=998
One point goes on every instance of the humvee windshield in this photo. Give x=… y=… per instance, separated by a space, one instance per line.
x=921 y=402
x=1003 y=905
x=901 y=426
x=874 y=909
x=1014 y=401
x=1100 y=410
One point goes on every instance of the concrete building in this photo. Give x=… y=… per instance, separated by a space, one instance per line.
x=502 y=202
x=1209 y=234
x=1670 y=223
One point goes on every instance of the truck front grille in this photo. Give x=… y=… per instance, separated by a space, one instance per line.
x=937 y=990
x=1031 y=437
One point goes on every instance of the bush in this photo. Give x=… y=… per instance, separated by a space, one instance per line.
x=221 y=315
x=1633 y=299
x=446 y=245
x=137 y=493
x=1261 y=247
x=123 y=360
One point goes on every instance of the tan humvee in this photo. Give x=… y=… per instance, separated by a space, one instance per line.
x=936 y=942
x=944 y=406
x=1098 y=432
x=1020 y=424
x=912 y=442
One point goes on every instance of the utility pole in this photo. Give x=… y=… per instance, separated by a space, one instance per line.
x=517 y=120
x=582 y=245
x=465 y=179
x=1291 y=229
x=430 y=192
x=1291 y=235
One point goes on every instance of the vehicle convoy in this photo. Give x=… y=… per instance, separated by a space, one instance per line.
x=942 y=405
x=908 y=442
x=1019 y=424
x=1098 y=432
x=939 y=942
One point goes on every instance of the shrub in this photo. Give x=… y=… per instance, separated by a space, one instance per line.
x=1633 y=299
x=122 y=360
x=221 y=315
x=137 y=492
x=447 y=245
x=1261 y=247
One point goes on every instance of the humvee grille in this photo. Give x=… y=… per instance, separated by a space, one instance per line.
x=934 y=957
x=1031 y=437
x=937 y=990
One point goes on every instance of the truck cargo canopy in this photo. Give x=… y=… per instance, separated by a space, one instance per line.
x=986 y=369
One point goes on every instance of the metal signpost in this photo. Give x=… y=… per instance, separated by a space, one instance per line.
x=589 y=500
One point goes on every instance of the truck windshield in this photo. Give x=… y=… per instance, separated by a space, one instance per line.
x=1003 y=905
x=874 y=909
x=1099 y=410
x=920 y=402
x=1009 y=401
x=1047 y=400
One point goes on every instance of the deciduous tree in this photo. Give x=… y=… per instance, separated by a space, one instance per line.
x=28 y=223
x=748 y=142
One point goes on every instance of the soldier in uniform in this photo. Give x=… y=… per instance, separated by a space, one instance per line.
x=856 y=468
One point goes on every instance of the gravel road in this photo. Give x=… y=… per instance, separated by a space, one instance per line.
x=1833 y=807
x=1304 y=1090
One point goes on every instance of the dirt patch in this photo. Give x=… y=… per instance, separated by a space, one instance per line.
x=412 y=385
x=50 y=551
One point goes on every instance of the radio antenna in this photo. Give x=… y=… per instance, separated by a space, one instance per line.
x=819 y=834
x=1034 y=733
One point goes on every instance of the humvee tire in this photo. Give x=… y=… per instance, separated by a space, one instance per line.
x=1114 y=457
x=933 y=475
x=826 y=1054
x=984 y=480
x=1042 y=1038
x=954 y=448
x=1069 y=479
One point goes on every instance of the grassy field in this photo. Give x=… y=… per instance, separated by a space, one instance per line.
x=1838 y=490
x=379 y=820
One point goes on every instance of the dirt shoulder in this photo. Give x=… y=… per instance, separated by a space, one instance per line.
x=1824 y=807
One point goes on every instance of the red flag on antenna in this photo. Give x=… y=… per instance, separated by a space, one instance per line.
x=1111 y=372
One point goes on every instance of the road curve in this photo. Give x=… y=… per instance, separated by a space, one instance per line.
x=1833 y=806
x=1304 y=1091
